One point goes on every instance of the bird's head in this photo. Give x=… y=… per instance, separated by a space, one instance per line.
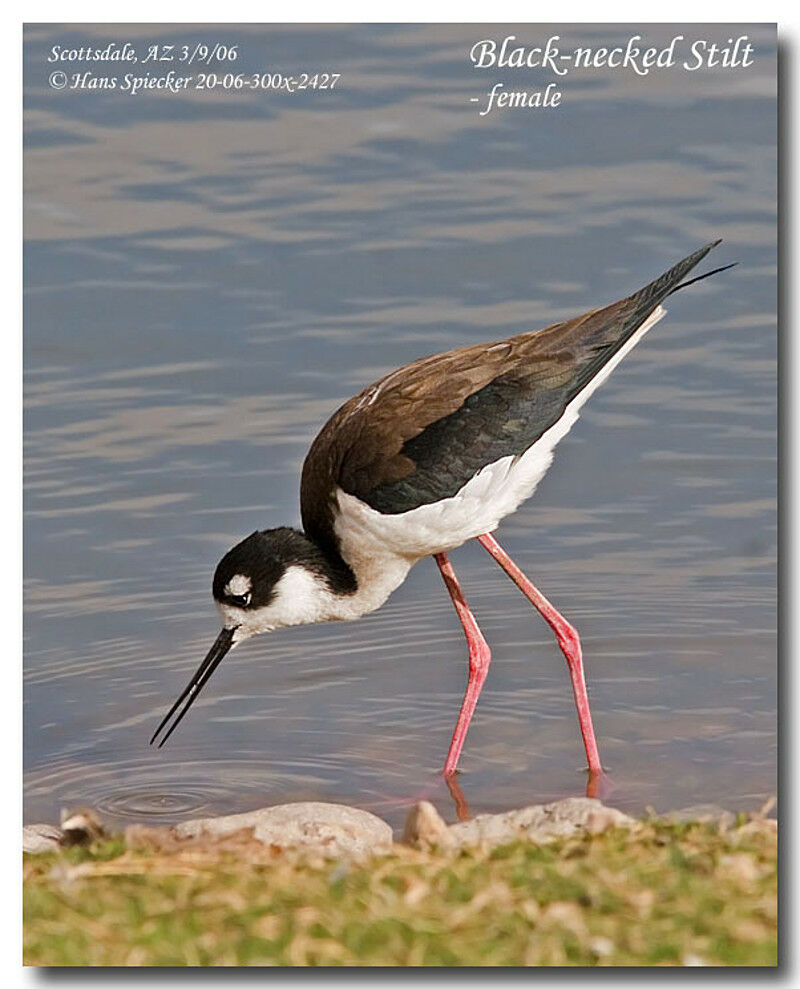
x=265 y=582
x=269 y=580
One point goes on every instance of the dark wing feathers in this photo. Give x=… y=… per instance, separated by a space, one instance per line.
x=423 y=431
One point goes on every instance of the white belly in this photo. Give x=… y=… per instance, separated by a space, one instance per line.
x=382 y=548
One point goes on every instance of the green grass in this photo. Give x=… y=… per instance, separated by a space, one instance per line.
x=662 y=894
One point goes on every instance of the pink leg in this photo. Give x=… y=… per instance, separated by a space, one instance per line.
x=567 y=639
x=479 y=658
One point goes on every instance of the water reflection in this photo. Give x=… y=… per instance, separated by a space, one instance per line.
x=206 y=279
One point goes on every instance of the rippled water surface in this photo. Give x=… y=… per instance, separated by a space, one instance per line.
x=208 y=275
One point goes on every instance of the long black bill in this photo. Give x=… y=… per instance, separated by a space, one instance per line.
x=221 y=646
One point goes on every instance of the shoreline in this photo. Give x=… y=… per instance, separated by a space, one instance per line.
x=571 y=883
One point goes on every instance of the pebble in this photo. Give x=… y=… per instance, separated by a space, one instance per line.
x=38 y=838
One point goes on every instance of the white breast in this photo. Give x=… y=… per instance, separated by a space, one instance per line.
x=386 y=546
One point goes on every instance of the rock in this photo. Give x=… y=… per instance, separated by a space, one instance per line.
x=541 y=823
x=425 y=828
x=705 y=813
x=759 y=825
x=140 y=837
x=693 y=961
x=330 y=829
x=601 y=946
x=602 y=819
x=81 y=827
x=38 y=838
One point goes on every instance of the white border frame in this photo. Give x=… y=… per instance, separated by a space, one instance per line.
x=355 y=11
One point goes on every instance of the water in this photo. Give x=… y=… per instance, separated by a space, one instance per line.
x=208 y=275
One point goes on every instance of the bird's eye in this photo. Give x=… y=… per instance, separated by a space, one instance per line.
x=238 y=590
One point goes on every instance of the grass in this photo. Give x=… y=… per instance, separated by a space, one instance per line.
x=660 y=894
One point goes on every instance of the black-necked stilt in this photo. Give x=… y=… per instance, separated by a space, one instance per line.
x=434 y=454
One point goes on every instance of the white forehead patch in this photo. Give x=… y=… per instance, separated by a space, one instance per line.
x=238 y=585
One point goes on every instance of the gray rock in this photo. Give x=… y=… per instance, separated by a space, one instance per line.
x=425 y=828
x=704 y=812
x=330 y=829
x=541 y=823
x=37 y=838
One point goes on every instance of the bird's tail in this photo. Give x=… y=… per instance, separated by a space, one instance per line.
x=595 y=338
x=643 y=302
x=630 y=313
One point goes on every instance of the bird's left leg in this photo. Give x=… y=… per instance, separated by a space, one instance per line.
x=479 y=658
x=567 y=638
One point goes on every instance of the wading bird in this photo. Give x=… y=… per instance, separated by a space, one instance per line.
x=434 y=454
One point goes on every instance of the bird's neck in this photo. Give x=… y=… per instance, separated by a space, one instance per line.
x=351 y=583
x=330 y=566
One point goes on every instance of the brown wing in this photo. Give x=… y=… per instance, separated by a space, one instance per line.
x=423 y=431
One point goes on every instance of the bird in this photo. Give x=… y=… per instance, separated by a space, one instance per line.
x=430 y=456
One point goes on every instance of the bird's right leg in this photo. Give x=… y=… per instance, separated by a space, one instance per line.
x=479 y=658
x=567 y=638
